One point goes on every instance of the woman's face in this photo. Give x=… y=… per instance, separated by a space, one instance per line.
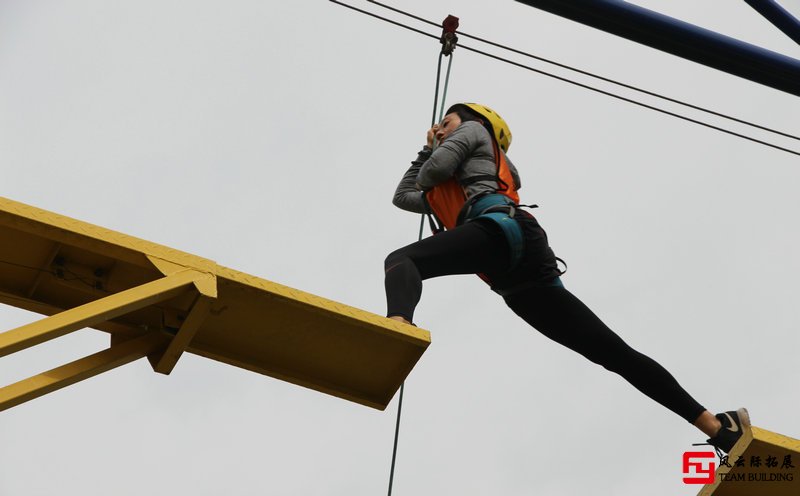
x=448 y=125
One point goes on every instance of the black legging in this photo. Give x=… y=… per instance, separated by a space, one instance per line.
x=479 y=247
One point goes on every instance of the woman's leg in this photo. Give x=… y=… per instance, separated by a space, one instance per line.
x=554 y=311
x=559 y=315
x=475 y=247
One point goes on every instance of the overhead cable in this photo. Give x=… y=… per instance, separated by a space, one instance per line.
x=582 y=85
x=590 y=74
x=619 y=97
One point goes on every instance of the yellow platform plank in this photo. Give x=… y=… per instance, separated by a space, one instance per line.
x=50 y=263
x=762 y=463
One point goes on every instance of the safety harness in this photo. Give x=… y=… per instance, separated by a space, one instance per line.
x=447 y=205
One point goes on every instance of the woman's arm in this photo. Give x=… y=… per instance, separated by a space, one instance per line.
x=407 y=195
x=514 y=173
x=434 y=167
x=451 y=153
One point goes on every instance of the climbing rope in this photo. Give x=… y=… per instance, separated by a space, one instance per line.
x=448 y=41
x=444 y=89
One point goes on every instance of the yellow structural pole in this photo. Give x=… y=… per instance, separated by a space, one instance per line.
x=97 y=311
x=90 y=366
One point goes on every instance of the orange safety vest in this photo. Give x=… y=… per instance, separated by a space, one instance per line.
x=446 y=199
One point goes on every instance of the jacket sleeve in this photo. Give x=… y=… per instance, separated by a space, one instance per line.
x=451 y=153
x=514 y=173
x=407 y=196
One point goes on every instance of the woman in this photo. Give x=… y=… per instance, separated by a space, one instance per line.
x=468 y=185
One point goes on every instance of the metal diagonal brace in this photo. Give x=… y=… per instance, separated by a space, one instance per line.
x=166 y=362
x=90 y=366
x=779 y=16
x=97 y=311
x=154 y=343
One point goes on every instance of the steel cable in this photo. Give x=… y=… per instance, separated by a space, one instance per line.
x=596 y=76
x=585 y=86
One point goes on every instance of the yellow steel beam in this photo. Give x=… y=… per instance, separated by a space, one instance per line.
x=41 y=273
x=122 y=331
x=90 y=366
x=97 y=311
x=166 y=362
x=61 y=229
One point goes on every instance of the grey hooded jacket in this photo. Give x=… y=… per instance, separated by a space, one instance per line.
x=466 y=153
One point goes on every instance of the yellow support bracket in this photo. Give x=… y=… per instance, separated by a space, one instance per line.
x=166 y=362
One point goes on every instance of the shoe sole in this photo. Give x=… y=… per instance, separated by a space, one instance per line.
x=744 y=417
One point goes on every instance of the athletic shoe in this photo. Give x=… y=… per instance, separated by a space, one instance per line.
x=733 y=426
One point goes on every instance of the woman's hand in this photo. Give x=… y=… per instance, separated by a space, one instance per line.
x=431 y=134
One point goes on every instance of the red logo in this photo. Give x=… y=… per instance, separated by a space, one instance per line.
x=695 y=470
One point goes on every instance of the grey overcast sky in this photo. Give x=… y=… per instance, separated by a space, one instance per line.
x=269 y=136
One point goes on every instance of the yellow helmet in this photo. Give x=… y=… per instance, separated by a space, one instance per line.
x=501 y=131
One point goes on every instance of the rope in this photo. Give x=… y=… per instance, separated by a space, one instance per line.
x=397 y=431
x=586 y=86
x=419 y=237
x=436 y=93
x=444 y=91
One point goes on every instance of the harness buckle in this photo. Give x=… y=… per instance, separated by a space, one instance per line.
x=506 y=209
x=449 y=38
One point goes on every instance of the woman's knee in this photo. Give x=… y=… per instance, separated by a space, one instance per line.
x=396 y=258
x=618 y=358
